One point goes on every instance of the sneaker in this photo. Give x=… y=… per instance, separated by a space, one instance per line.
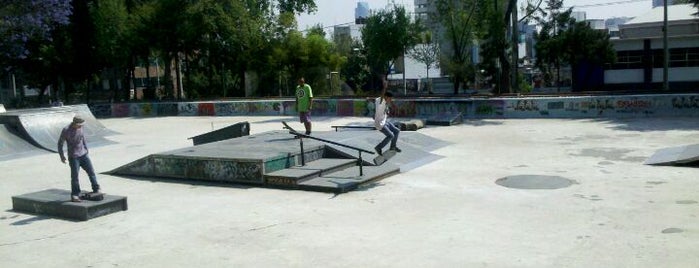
x=96 y=191
x=75 y=199
x=398 y=150
x=378 y=150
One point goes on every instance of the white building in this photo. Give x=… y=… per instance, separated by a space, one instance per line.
x=640 y=54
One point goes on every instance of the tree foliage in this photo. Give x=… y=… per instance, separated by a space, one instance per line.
x=387 y=35
x=24 y=22
x=426 y=52
x=204 y=48
x=494 y=61
x=462 y=22
x=563 y=41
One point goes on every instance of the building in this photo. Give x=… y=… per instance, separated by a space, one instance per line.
x=361 y=12
x=640 y=57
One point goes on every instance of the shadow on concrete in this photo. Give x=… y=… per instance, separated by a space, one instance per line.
x=36 y=218
x=32 y=220
x=369 y=186
x=294 y=119
x=651 y=124
x=481 y=122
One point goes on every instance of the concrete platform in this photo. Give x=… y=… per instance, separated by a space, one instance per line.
x=56 y=202
x=275 y=159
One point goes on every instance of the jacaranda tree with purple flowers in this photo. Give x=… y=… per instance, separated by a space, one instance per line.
x=25 y=21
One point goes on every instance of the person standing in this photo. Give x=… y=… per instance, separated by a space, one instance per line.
x=382 y=124
x=78 y=157
x=304 y=103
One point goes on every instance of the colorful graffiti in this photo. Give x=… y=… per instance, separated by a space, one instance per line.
x=685 y=102
x=568 y=107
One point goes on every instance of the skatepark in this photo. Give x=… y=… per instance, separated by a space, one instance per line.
x=485 y=193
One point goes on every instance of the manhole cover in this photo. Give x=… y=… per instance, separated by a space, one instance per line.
x=534 y=182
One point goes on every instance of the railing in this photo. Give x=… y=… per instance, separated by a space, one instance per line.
x=303 y=157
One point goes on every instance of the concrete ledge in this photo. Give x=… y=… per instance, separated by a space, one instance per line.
x=56 y=202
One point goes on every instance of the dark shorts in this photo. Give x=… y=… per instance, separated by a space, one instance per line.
x=305 y=117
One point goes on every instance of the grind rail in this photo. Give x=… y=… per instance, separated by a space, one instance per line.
x=303 y=157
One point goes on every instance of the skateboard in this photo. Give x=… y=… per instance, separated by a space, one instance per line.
x=385 y=157
x=288 y=127
x=92 y=196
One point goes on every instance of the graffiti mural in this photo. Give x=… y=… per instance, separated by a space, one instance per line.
x=403 y=109
x=265 y=108
x=567 y=107
x=345 y=108
x=187 y=109
x=166 y=109
x=141 y=109
x=324 y=107
x=206 y=109
x=289 y=107
x=121 y=110
x=101 y=110
x=685 y=102
x=489 y=108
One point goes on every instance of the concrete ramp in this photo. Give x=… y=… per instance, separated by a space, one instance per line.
x=42 y=127
x=675 y=156
x=416 y=146
x=13 y=146
x=446 y=119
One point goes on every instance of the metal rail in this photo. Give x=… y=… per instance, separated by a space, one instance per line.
x=303 y=157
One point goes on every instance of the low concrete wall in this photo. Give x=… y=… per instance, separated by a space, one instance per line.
x=526 y=107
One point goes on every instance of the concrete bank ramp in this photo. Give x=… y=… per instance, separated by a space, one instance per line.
x=13 y=146
x=42 y=127
x=675 y=156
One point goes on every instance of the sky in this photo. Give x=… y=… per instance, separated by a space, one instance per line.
x=333 y=12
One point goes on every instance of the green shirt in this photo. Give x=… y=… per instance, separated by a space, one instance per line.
x=303 y=97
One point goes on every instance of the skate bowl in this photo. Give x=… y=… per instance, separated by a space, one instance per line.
x=41 y=127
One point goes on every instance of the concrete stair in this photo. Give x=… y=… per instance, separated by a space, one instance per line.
x=328 y=175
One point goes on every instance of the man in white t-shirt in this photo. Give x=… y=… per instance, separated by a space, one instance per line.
x=382 y=124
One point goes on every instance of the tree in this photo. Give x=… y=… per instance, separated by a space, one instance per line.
x=586 y=49
x=386 y=36
x=112 y=34
x=562 y=40
x=550 y=45
x=22 y=22
x=427 y=52
x=462 y=27
x=494 y=60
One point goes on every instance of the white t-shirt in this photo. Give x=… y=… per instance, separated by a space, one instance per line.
x=381 y=113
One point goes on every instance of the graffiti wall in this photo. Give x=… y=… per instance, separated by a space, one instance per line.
x=526 y=107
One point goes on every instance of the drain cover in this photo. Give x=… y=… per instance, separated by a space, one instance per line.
x=534 y=182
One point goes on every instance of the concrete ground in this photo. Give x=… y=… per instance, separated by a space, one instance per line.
x=449 y=213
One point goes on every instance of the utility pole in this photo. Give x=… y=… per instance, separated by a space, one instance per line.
x=515 y=48
x=666 y=52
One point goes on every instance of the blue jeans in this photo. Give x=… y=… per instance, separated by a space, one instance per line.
x=75 y=165
x=391 y=133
